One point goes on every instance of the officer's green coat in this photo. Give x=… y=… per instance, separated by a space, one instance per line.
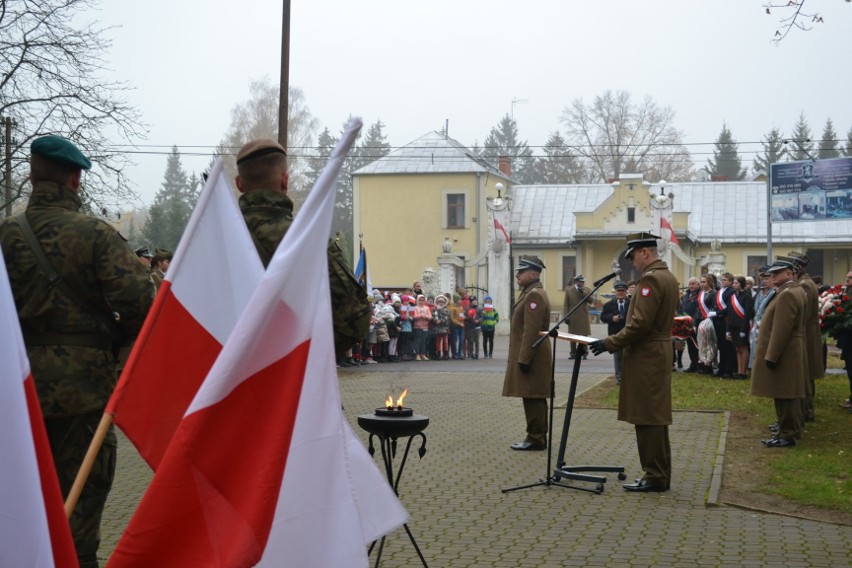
x=579 y=322
x=645 y=396
x=813 y=336
x=72 y=380
x=530 y=316
x=781 y=340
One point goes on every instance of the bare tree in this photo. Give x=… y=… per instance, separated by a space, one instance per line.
x=614 y=136
x=258 y=118
x=793 y=17
x=52 y=83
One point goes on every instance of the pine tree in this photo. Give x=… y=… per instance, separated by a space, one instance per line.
x=773 y=151
x=828 y=143
x=726 y=163
x=168 y=215
x=801 y=146
x=558 y=165
x=503 y=141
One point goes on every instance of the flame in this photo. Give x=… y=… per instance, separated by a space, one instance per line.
x=389 y=400
x=401 y=398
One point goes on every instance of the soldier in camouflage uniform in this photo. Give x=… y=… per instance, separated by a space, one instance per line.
x=268 y=211
x=70 y=349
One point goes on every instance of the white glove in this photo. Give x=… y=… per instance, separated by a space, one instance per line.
x=711 y=314
x=742 y=334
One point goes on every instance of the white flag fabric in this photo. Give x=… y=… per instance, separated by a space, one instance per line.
x=33 y=529
x=214 y=272
x=264 y=469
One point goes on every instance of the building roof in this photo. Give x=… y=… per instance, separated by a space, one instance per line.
x=432 y=153
x=544 y=214
x=732 y=212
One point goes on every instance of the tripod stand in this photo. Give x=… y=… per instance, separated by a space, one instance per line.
x=577 y=472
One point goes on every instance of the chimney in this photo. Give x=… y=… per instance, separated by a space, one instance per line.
x=504 y=165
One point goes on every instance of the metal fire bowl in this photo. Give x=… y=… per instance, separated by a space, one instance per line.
x=393 y=426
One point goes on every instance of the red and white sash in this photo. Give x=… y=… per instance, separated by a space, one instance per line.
x=701 y=305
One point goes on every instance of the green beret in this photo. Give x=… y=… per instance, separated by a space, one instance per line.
x=258 y=148
x=59 y=149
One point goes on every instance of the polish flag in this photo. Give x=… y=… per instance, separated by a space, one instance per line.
x=499 y=226
x=214 y=272
x=263 y=469
x=33 y=529
x=664 y=224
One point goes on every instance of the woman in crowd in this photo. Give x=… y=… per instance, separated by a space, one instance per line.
x=705 y=326
x=738 y=318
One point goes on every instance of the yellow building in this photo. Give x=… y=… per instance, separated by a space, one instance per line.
x=408 y=202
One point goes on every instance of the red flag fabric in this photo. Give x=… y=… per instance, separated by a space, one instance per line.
x=260 y=469
x=214 y=271
x=664 y=224
x=33 y=529
x=498 y=225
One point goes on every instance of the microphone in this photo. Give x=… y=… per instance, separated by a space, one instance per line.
x=608 y=277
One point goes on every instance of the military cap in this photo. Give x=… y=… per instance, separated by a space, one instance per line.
x=763 y=270
x=144 y=251
x=640 y=240
x=163 y=253
x=619 y=285
x=58 y=149
x=779 y=265
x=258 y=148
x=799 y=258
x=530 y=262
x=579 y=278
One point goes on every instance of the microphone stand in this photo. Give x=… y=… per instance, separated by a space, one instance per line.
x=576 y=473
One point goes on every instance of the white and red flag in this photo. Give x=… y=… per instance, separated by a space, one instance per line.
x=214 y=272
x=499 y=226
x=664 y=224
x=34 y=531
x=263 y=468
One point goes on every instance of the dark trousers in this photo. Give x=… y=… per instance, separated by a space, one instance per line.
x=535 y=410
x=790 y=417
x=488 y=340
x=655 y=454
x=692 y=349
x=70 y=438
x=727 y=357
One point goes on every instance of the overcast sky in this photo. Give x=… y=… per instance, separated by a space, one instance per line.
x=415 y=65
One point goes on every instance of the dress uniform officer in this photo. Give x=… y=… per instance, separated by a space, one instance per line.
x=814 y=368
x=779 y=361
x=578 y=323
x=528 y=370
x=645 y=397
x=68 y=320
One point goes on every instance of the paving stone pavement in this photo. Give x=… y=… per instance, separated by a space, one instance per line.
x=460 y=517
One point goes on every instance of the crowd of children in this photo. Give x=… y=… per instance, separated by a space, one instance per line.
x=413 y=326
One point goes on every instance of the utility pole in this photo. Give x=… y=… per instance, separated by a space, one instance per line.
x=284 y=93
x=7 y=122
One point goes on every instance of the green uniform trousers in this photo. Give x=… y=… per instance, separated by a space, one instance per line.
x=535 y=410
x=790 y=417
x=655 y=454
x=70 y=438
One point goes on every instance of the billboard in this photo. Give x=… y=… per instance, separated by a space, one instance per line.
x=810 y=191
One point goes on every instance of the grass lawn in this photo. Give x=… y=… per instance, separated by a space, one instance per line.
x=815 y=473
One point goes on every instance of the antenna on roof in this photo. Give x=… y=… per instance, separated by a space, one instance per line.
x=446 y=128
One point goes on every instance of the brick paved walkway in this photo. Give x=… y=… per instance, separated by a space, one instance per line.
x=460 y=517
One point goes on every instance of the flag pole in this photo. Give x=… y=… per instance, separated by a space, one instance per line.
x=88 y=464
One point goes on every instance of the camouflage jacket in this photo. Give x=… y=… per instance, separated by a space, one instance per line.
x=268 y=215
x=72 y=378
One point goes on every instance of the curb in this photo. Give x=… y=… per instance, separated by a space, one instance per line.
x=718 y=464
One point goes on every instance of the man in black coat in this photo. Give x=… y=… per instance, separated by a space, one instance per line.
x=689 y=307
x=613 y=314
